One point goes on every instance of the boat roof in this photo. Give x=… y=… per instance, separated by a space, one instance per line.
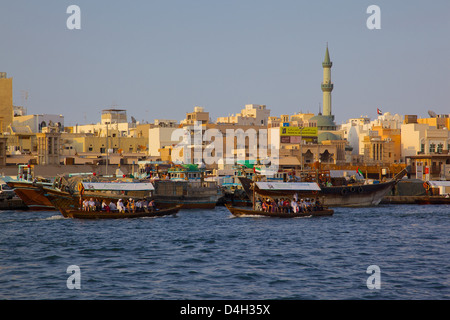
x=130 y=186
x=288 y=186
x=439 y=183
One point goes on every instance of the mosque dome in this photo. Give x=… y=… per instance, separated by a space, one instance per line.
x=324 y=122
x=324 y=136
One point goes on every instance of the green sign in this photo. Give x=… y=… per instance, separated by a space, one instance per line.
x=298 y=131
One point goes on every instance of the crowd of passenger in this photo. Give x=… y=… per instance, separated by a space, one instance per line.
x=130 y=205
x=285 y=205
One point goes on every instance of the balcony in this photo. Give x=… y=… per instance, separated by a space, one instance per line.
x=327 y=87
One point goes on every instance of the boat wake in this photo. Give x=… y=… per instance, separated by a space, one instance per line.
x=57 y=217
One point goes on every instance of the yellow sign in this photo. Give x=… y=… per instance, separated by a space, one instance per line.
x=298 y=131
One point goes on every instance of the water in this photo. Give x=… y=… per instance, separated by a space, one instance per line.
x=208 y=254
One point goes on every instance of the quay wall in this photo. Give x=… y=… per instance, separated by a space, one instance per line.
x=50 y=171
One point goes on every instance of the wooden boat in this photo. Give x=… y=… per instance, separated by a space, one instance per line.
x=432 y=200
x=239 y=212
x=342 y=196
x=78 y=214
x=32 y=195
x=190 y=194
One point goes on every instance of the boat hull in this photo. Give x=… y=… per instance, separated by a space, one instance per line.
x=432 y=200
x=356 y=196
x=185 y=204
x=76 y=214
x=239 y=212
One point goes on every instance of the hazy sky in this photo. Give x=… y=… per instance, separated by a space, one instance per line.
x=159 y=59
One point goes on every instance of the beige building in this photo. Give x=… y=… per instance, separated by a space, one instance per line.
x=378 y=151
x=6 y=102
x=251 y=115
x=2 y=150
x=421 y=138
x=48 y=147
x=158 y=138
x=37 y=122
x=199 y=115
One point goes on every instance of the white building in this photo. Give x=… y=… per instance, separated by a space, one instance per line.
x=354 y=130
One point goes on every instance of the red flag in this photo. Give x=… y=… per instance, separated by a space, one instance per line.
x=379 y=112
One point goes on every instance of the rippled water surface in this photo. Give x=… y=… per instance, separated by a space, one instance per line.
x=208 y=254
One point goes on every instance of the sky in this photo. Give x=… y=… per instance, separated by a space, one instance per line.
x=160 y=59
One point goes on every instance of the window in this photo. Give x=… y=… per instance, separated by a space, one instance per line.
x=440 y=147
x=422 y=148
x=432 y=148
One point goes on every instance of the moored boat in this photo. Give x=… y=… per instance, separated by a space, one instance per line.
x=432 y=200
x=32 y=195
x=190 y=194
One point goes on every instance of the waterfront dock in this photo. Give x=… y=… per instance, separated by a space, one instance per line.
x=12 y=204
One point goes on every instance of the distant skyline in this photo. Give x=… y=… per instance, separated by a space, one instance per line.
x=160 y=59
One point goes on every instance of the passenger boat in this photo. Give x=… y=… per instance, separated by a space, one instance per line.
x=239 y=212
x=288 y=190
x=357 y=195
x=78 y=214
x=108 y=191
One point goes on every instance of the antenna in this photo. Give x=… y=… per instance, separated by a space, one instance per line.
x=432 y=114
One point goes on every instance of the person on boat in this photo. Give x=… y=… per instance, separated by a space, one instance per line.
x=85 y=206
x=151 y=205
x=308 y=204
x=91 y=204
x=303 y=205
x=112 y=206
x=104 y=205
x=273 y=206
x=287 y=206
x=280 y=205
x=294 y=206
x=264 y=206
x=131 y=205
x=120 y=206
x=139 y=205
x=98 y=205
x=258 y=204
x=319 y=206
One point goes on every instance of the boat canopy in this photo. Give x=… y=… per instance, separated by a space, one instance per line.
x=288 y=186
x=283 y=189
x=119 y=186
x=439 y=183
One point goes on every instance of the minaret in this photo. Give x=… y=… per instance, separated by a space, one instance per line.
x=327 y=86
